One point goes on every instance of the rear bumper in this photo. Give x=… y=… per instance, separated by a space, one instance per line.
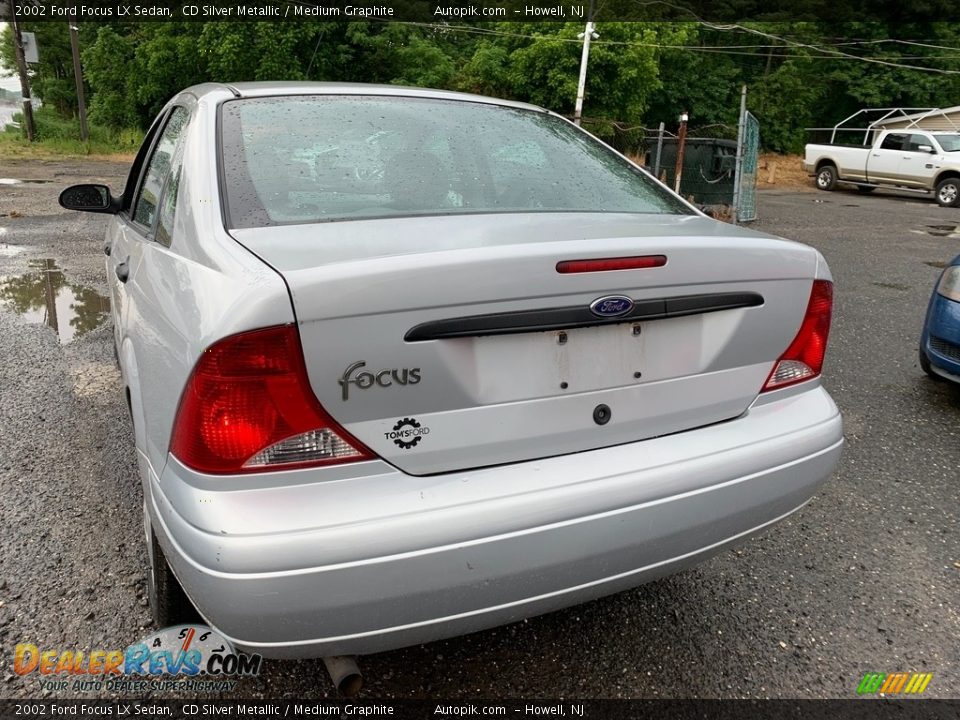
x=451 y=554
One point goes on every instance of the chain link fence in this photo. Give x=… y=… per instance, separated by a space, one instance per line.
x=708 y=175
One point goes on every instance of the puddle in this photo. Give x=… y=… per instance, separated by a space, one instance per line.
x=891 y=286
x=951 y=231
x=44 y=296
x=939 y=264
x=14 y=181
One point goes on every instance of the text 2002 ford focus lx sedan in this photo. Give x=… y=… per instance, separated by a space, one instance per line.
x=404 y=364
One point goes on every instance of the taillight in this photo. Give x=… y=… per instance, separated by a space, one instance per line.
x=803 y=360
x=248 y=407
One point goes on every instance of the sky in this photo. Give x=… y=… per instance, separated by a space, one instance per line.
x=8 y=79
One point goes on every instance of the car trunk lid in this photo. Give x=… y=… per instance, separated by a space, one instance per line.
x=452 y=342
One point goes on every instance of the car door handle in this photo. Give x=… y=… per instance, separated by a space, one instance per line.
x=123 y=271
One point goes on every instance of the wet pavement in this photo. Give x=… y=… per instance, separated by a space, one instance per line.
x=866 y=578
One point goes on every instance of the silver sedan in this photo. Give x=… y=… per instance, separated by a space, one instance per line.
x=405 y=364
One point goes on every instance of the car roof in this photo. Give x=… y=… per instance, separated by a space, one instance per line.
x=271 y=89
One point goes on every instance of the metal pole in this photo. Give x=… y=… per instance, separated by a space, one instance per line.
x=22 y=70
x=656 y=162
x=78 y=78
x=681 y=143
x=582 y=82
x=737 y=175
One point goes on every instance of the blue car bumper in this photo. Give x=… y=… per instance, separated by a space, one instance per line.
x=941 y=337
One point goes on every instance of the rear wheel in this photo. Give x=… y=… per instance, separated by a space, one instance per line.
x=827 y=177
x=948 y=192
x=925 y=365
x=169 y=604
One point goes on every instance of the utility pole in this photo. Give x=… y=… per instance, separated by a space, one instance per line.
x=588 y=34
x=78 y=77
x=22 y=70
x=681 y=144
x=738 y=168
x=656 y=162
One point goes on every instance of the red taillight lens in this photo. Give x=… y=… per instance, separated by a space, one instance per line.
x=638 y=262
x=803 y=360
x=248 y=407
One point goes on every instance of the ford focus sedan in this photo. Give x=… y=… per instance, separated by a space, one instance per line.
x=405 y=364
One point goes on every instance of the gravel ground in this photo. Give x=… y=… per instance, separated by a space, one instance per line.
x=865 y=578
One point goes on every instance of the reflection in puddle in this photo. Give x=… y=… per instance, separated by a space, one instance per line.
x=943 y=230
x=44 y=296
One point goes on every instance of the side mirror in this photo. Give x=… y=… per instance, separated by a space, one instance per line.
x=89 y=198
x=925 y=148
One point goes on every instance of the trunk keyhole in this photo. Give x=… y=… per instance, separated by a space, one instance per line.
x=601 y=414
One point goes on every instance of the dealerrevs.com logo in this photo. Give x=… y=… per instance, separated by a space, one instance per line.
x=191 y=658
x=901 y=683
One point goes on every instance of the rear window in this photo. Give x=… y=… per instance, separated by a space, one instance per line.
x=893 y=141
x=305 y=159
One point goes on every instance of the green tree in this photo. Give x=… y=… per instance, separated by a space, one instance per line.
x=52 y=78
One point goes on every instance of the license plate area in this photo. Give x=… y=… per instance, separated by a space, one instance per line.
x=559 y=362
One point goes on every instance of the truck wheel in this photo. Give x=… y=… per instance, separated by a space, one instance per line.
x=169 y=604
x=948 y=192
x=827 y=177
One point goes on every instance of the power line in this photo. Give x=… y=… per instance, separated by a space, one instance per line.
x=825 y=52
x=828 y=51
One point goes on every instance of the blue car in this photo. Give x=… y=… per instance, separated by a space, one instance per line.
x=940 y=342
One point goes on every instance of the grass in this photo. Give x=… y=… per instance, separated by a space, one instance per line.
x=60 y=138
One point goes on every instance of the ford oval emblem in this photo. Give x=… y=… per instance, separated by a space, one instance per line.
x=611 y=306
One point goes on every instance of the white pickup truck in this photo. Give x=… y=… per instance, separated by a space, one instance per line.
x=914 y=160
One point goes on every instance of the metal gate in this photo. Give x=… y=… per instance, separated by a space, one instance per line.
x=748 y=154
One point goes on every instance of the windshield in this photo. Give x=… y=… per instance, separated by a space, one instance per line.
x=949 y=143
x=304 y=159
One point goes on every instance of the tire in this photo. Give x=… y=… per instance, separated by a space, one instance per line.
x=948 y=192
x=925 y=366
x=865 y=189
x=826 y=178
x=169 y=604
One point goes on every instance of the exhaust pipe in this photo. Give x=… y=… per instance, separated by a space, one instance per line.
x=345 y=674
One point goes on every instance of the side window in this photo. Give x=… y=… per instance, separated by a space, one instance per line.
x=893 y=141
x=168 y=203
x=158 y=168
x=915 y=141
